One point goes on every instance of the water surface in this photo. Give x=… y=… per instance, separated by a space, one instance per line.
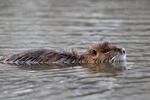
x=75 y=24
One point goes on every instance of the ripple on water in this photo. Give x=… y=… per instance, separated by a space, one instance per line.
x=77 y=24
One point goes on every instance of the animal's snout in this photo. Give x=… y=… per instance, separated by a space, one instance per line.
x=123 y=51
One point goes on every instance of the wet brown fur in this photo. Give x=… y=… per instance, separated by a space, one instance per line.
x=44 y=56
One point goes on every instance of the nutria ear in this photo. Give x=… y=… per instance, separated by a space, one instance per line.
x=105 y=44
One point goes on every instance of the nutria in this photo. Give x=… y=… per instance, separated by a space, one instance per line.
x=99 y=53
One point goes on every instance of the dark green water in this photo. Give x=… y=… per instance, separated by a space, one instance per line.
x=75 y=24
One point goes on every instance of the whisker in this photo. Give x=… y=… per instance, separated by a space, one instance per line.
x=118 y=58
x=112 y=59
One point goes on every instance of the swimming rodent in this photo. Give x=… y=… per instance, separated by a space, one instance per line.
x=96 y=54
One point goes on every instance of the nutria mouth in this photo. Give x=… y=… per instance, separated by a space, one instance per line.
x=99 y=53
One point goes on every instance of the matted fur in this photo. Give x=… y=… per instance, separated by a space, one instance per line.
x=45 y=56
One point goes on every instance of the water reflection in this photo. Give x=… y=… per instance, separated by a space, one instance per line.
x=94 y=68
x=114 y=67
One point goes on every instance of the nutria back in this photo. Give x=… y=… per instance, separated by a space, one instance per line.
x=41 y=56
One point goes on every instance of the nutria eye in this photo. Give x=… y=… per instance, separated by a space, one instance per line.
x=93 y=53
x=106 y=50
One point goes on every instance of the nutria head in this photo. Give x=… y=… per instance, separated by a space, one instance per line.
x=104 y=53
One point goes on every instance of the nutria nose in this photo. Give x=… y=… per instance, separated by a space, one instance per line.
x=123 y=51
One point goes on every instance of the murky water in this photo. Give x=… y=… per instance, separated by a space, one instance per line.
x=75 y=24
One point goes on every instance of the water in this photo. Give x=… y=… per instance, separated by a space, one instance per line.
x=75 y=24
